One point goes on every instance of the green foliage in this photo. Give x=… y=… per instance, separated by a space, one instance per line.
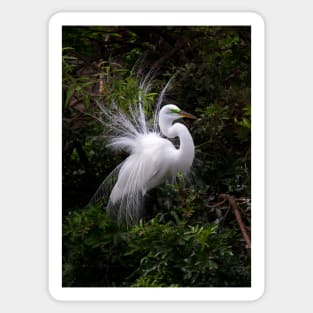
x=92 y=243
x=182 y=255
x=186 y=237
x=152 y=254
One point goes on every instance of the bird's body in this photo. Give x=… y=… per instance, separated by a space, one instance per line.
x=145 y=166
x=152 y=158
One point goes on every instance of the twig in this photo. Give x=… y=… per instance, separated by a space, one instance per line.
x=225 y=216
x=234 y=205
x=243 y=201
x=217 y=204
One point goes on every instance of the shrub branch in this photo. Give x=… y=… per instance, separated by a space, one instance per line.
x=234 y=205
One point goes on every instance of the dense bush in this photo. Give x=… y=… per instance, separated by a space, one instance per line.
x=189 y=236
x=100 y=253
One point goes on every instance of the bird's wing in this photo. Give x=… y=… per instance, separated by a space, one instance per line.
x=144 y=170
x=158 y=165
x=149 y=165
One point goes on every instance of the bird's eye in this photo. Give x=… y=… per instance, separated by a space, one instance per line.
x=175 y=110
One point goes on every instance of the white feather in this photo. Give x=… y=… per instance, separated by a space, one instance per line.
x=152 y=158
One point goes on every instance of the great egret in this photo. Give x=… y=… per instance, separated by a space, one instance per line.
x=152 y=158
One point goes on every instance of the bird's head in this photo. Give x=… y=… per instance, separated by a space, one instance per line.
x=172 y=112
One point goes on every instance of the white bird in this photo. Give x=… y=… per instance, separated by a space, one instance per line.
x=152 y=158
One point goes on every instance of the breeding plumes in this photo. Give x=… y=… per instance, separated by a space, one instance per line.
x=152 y=159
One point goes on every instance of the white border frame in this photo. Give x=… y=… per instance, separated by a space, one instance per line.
x=55 y=156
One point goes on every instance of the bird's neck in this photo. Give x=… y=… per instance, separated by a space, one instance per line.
x=186 y=151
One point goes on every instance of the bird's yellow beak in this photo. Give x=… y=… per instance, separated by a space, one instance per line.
x=187 y=115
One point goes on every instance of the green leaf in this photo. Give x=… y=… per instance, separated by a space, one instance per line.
x=69 y=95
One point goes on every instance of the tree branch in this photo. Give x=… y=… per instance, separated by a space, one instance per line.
x=234 y=205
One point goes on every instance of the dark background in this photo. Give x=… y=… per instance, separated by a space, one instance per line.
x=191 y=235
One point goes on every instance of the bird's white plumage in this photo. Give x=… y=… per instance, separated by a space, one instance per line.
x=152 y=158
x=152 y=161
